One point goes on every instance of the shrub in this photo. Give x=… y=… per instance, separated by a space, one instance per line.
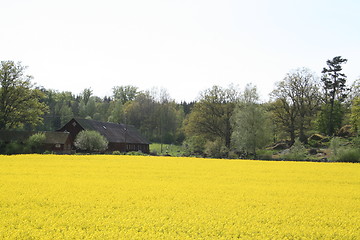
x=264 y=154
x=296 y=152
x=335 y=146
x=116 y=153
x=194 y=145
x=348 y=155
x=215 y=149
x=14 y=148
x=91 y=141
x=134 y=153
x=35 y=142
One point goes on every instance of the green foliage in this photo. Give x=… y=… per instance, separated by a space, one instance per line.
x=296 y=152
x=136 y=153
x=91 y=141
x=356 y=142
x=157 y=116
x=35 y=142
x=334 y=81
x=343 y=151
x=166 y=149
x=15 y=148
x=216 y=149
x=125 y=94
x=348 y=155
x=330 y=118
x=210 y=117
x=264 y=154
x=250 y=125
x=355 y=114
x=297 y=99
x=334 y=84
x=19 y=103
x=335 y=144
x=116 y=153
x=117 y=112
x=194 y=145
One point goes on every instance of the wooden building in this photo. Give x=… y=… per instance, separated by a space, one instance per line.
x=121 y=137
x=58 y=142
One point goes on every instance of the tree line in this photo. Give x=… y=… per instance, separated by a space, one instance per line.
x=223 y=120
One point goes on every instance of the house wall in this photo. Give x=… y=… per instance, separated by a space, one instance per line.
x=73 y=128
x=128 y=147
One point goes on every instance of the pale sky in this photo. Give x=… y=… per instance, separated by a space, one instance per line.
x=185 y=46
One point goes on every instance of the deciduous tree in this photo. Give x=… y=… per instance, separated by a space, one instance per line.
x=297 y=99
x=211 y=115
x=20 y=103
x=250 y=128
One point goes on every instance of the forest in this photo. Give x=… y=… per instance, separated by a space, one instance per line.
x=304 y=112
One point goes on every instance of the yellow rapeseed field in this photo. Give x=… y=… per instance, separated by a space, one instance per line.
x=135 y=197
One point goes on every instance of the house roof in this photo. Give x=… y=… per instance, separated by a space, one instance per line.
x=56 y=137
x=113 y=132
x=22 y=136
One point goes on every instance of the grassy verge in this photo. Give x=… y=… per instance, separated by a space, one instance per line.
x=167 y=149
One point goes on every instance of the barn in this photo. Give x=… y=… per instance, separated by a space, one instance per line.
x=121 y=137
x=58 y=142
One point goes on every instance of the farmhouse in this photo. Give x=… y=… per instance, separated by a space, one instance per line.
x=58 y=142
x=121 y=137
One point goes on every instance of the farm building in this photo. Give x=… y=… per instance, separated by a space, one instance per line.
x=121 y=137
x=58 y=142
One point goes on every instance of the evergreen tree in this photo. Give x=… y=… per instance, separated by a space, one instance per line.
x=335 y=91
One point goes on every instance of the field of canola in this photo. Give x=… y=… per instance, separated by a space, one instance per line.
x=135 y=197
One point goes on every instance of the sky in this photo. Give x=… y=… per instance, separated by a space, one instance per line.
x=184 y=46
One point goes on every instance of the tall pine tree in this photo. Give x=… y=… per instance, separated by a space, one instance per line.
x=335 y=93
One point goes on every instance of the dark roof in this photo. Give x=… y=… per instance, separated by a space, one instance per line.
x=22 y=136
x=113 y=132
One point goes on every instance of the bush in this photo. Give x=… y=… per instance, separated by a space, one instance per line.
x=14 y=148
x=347 y=155
x=194 y=145
x=264 y=154
x=296 y=152
x=215 y=149
x=91 y=141
x=134 y=153
x=35 y=142
x=116 y=153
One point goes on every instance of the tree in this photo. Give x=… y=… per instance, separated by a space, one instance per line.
x=86 y=94
x=91 y=141
x=156 y=115
x=117 y=112
x=125 y=94
x=355 y=114
x=250 y=128
x=297 y=99
x=210 y=117
x=335 y=92
x=20 y=104
x=355 y=90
